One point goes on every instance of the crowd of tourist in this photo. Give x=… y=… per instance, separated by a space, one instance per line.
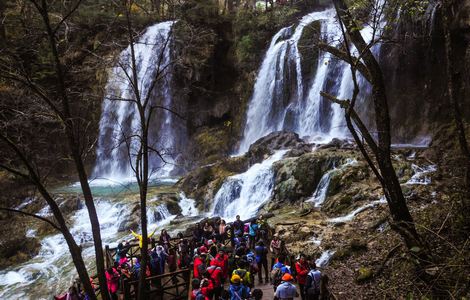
x=225 y=260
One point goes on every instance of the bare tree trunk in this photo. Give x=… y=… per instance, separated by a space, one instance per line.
x=402 y=220
x=74 y=249
x=142 y=163
x=74 y=148
x=2 y=26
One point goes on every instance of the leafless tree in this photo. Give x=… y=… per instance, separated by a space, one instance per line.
x=139 y=146
x=57 y=98
x=379 y=158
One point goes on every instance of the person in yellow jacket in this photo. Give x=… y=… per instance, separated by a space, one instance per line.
x=243 y=273
x=139 y=236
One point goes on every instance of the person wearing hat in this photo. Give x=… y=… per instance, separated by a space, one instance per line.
x=243 y=272
x=286 y=290
x=237 y=289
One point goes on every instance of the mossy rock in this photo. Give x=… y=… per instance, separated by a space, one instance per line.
x=171 y=203
x=298 y=177
x=403 y=169
x=337 y=205
x=18 y=250
x=308 y=50
x=212 y=144
x=364 y=274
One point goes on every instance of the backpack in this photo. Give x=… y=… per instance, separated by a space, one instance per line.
x=314 y=289
x=201 y=268
x=241 y=273
x=276 y=275
x=199 y=295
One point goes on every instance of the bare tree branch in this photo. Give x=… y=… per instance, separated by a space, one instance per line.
x=32 y=215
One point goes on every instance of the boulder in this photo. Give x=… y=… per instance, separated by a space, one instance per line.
x=298 y=177
x=130 y=221
x=70 y=204
x=364 y=274
x=278 y=140
x=129 y=224
x=338 y=144
x=17 y=248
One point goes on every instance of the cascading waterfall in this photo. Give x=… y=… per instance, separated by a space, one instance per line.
x=320 y=193
x=247 y=190
x=319 y=196
x=158 y=213
x=120 y=120
x=52 y=270
x=275 y=105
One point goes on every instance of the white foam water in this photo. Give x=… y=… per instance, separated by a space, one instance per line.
x=351 y=215
x=243 y=194
x=421 y=175
x=324 y=258
x=321 y=192
x=52 y=270
x=187 y=205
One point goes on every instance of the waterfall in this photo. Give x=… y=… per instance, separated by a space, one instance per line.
x=187 y=205
x=159 y=215
x=321 y=192
x=275 y=105
x=324 y=258
x=243 y=194
x=120 y=120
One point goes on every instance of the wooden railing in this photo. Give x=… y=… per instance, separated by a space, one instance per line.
x=134 y=250
x=174 y=285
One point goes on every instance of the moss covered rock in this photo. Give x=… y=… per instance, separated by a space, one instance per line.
x=364 y=274
x=308 y=50
x=15 y=249
x=298 y=177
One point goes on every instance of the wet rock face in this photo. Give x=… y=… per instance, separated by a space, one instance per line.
x=297 y=178
x=461 y=23
x=17 y=248
x=203 y=183
x=70 y=204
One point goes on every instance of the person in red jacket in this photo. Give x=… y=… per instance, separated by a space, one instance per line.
x=221 y=261
x=302 y=268
x=215 y=274
x=199 y=265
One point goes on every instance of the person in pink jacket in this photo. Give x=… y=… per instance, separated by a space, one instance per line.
x=112 y=279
